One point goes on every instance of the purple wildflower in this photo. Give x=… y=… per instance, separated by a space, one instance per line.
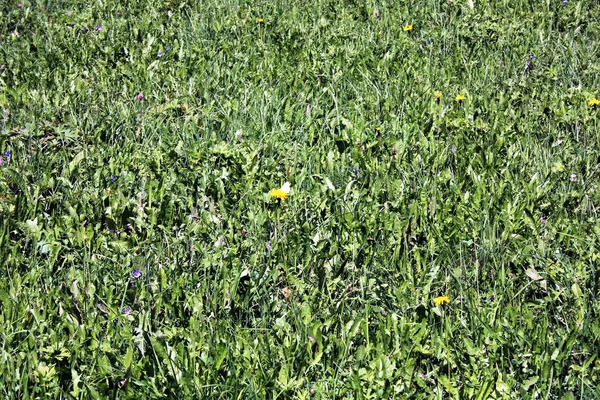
x=85 y=30
x=7 y=154
x=99 y=28
x=19 y=5
x=1 y=161
x=573 y=178
x=167 y=48
x=140 y=97
x=529 y=61
x=127 y=311
x=113 y=178
x=565 y=1
x=119 y=14
x=137 y=273
x=159 y=54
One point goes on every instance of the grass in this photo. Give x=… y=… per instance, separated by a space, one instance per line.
x=396 y=198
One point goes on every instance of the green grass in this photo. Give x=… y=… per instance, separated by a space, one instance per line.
x=395 y=199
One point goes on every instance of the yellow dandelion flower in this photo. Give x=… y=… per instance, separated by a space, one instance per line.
x=442 y=300
x=378 y=129
x=460 y=98
x=438 y=96
x=278 y=194
x=281 y=193
x=594 y=103
x=407 y=28
x=260 y=21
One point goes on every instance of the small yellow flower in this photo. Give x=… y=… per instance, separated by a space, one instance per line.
x=377 y=129
x=460 y=98
x=442 y=300
x=594 y=103
x=407 y=28
x=438 y=95
x=260 y=21
x=281 y=193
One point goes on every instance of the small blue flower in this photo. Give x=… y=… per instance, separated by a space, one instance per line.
x=127 y=311
x=99 y=28
x=7 y=154
x=85 y=30
x=167 y=48
x=113 y=178
x=529 y=61
x=137 y=273
x=159 y=54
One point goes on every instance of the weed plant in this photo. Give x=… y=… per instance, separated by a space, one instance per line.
x=432 y=149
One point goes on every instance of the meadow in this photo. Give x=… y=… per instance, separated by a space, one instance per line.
x=328 y=199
